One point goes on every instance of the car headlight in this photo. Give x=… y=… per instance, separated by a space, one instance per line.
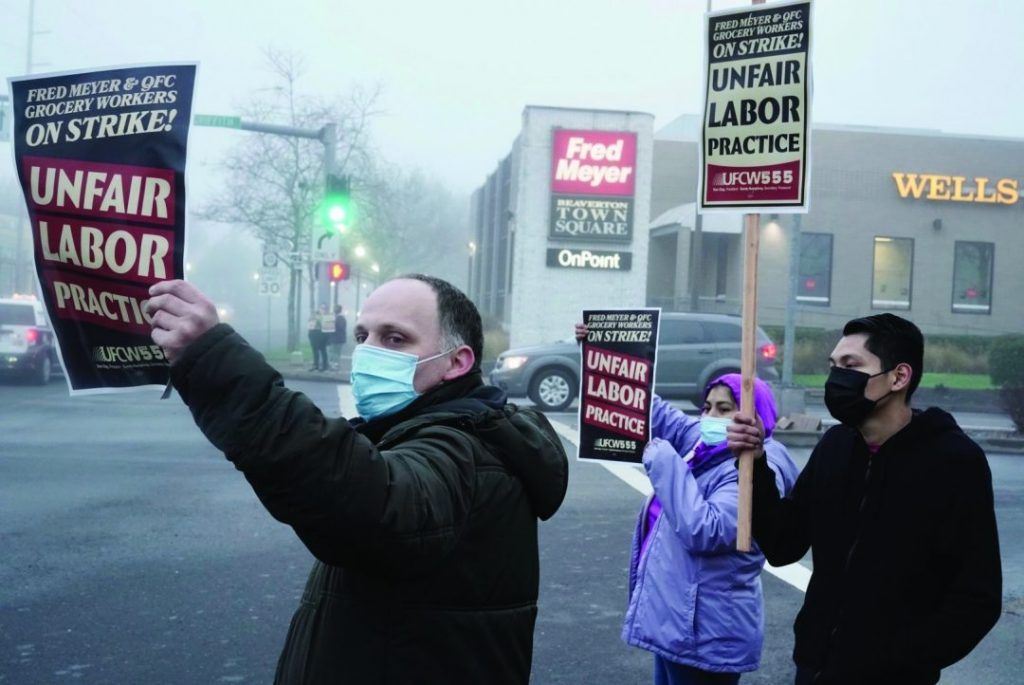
x=514 y=362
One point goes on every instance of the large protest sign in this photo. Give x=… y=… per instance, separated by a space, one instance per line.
x=616 y=383
x=755 y=146
x=101 y=160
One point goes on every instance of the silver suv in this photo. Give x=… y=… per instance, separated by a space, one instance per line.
x=27 y=345
x=692 y=350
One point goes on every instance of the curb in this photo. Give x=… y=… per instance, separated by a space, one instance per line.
x=303 y=374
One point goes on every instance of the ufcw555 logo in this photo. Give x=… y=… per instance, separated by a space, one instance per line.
x=749 y=178
x=1004 y=191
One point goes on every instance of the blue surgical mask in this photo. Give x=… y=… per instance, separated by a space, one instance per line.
x=382 y=380
x=712 y=429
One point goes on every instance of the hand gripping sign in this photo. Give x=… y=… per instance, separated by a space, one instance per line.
x=617 y=383
x=100 y=156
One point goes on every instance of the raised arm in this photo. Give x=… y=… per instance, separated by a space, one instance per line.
x=349 y=502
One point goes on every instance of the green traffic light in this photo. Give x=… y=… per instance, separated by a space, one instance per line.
x=337 y=211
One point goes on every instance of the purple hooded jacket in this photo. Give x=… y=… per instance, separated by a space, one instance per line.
x=693 y=599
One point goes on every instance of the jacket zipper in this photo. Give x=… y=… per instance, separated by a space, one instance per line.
x=853 y=548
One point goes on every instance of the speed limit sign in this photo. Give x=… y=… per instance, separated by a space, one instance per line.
x=269 y=282
x=272 y=288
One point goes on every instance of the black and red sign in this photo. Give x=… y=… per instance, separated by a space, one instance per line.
x=101 y=160
x=616 y=383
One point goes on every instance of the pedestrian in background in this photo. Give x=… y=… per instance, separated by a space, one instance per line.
x=318 y=339
x=694 y=601
x=339 y=337
x=896 y=506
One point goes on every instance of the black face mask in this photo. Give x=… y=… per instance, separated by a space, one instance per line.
x=844 y=395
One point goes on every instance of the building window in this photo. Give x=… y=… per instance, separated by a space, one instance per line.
x=815 y=279
x=972 y=277
x=894 y=266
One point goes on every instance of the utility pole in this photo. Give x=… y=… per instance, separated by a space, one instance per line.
x=697 y=248
x=789 y=334
x=19 y=238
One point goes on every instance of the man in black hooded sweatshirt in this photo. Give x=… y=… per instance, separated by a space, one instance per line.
x=896 y=507
x=422 y=513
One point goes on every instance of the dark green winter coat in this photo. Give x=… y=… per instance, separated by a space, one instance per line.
x=424 y=524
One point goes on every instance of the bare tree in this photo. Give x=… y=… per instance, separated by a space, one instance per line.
x=275 y=183
x=411 y=222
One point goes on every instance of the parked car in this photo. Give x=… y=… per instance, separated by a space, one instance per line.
x=27 y=346
x=692 y=350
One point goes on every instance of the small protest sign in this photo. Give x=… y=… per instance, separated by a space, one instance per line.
x=100 y=156
x=755 y=145
x=616 y=384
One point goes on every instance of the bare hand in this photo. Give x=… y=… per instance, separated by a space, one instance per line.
x=179 y=314
x=581 y=332
x=745 y=434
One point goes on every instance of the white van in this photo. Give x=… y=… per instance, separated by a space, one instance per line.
x=27 y=345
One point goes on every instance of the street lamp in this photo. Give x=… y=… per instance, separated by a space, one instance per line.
x=375 y=267
x=471 y=246
x=360 y=251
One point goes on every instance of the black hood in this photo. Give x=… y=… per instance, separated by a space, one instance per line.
x=530 y=448
x=932 y=424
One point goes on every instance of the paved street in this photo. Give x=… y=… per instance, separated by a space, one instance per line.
x=134 y=553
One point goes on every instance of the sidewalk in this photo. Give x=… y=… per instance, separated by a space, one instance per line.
x=300 y=371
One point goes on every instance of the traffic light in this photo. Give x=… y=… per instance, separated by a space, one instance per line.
x=337 y=211
x=337 y=271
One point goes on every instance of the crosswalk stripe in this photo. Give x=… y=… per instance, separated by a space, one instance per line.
x=796 y=575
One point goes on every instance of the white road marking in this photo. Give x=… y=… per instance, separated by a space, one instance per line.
x=796 y=575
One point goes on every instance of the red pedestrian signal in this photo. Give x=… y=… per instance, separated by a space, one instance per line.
x=337 y=271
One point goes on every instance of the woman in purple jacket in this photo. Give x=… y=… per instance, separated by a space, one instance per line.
x=693 y=599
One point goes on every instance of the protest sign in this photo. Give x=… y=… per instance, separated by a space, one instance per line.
x=616 y=383
x=755 y=145
x=100 y=156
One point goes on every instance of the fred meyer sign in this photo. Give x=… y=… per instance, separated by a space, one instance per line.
x=593 y=179
x=589 y=259
x=1005 y=191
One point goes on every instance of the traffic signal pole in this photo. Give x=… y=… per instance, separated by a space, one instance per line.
x=326 y=134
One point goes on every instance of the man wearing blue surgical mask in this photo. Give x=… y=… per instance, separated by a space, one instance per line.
x=422 y=512
x=896 y=506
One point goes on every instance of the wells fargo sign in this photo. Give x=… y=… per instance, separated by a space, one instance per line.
x=1003 y=191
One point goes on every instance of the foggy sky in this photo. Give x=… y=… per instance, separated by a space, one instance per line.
x=456 y=74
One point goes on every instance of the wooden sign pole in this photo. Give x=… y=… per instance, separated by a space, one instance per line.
x=748 y=366
x=748 y=362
